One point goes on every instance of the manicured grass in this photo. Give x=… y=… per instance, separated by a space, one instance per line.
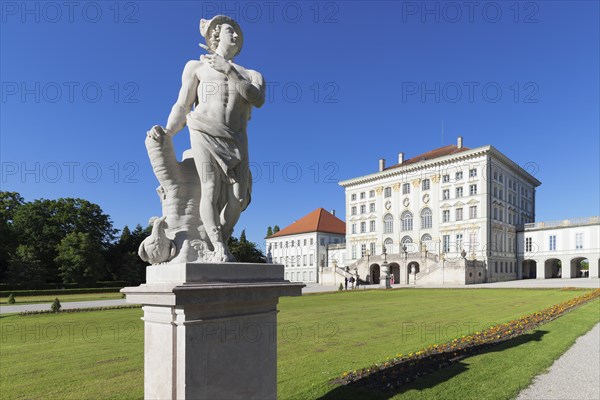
x=371 y=326
x=89 y=355
x=319 y=337
x=64 y=298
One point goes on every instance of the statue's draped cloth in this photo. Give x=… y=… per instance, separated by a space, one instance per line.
x=228 y=148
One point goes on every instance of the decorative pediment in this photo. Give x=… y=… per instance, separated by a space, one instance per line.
x=473 y=201
x=445 y=205
x=459 y=204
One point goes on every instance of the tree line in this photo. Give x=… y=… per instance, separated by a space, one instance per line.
x=72 y=241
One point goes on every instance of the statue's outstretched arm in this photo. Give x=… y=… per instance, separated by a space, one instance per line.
x=186 y=99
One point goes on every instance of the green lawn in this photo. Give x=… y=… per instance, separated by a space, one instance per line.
x=100 y=354
x=64 y=298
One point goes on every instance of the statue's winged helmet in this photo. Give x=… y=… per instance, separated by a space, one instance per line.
x=207 y=26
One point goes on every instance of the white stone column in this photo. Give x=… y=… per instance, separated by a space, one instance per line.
x=210 y=330
x=540 y=266
x=566 y=272
x=594 y=266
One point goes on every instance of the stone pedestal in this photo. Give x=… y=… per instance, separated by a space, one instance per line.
x=210 y=330
x=384 y=278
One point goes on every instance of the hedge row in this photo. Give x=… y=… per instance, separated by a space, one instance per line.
x=11 y=287
x=73 y=310
x=53 y=292
x=397 y=371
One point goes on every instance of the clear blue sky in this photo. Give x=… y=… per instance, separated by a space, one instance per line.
x=82 y=85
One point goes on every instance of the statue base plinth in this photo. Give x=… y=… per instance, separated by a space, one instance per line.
x=210 y=330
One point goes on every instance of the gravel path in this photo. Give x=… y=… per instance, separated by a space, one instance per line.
x=575 y=375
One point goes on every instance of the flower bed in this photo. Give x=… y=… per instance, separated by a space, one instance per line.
x=402 y=369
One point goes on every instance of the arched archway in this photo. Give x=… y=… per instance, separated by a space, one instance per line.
x=577 y=267
x=529 y=269
x=395 y=272
x=409 y=271
x=374 y=273
x=552 y=268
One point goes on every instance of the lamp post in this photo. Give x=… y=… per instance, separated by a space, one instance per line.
x=405 y=257
x=384 y=278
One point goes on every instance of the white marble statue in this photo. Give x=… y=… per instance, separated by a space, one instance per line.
x=203 y=196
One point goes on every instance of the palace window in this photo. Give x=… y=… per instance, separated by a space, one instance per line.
x=353 y=249
x=446 y=194
x=353 y=210
x=552 y=243
x=446 y=216
x=407 y=221
x=473 y=172
x=425 y=185
x=459 y=214
x=446 y=243
x=446 y=178
x=473 y=212
x=353 y=197
x=579 y=241
x=372 y=193
x=363 y=227
x=363 y=250
x=405 y=188
x=459 y=242
x=459 y=175
x=426 y=219
x=312 y=259
x=389 y=243
x=362 y=195
x=472 y=190
x=387 y=192
x=459 y=192
x=528 y=244
x=388 y=223
x=363 y=209
x=372 y=226
x=372 y=248
x=372 y=207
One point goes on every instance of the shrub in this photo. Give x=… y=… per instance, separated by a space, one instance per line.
x=341 y=287
x=56 y=305
x=11 y=299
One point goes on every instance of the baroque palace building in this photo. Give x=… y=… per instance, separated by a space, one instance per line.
x=452 y=215
x=443 y=215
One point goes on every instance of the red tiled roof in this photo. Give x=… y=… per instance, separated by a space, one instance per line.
x=319 y=220
x=435 y=153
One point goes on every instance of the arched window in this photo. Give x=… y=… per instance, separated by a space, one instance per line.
x=426 y=241
x=426 y=220
x=388 y=223
x=407 y=243
x=407 y=221
x=389 y=243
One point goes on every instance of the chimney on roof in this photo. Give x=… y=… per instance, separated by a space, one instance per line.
x=400 y=158
x=333 y=212
x=460 y=142
x=381 y=164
